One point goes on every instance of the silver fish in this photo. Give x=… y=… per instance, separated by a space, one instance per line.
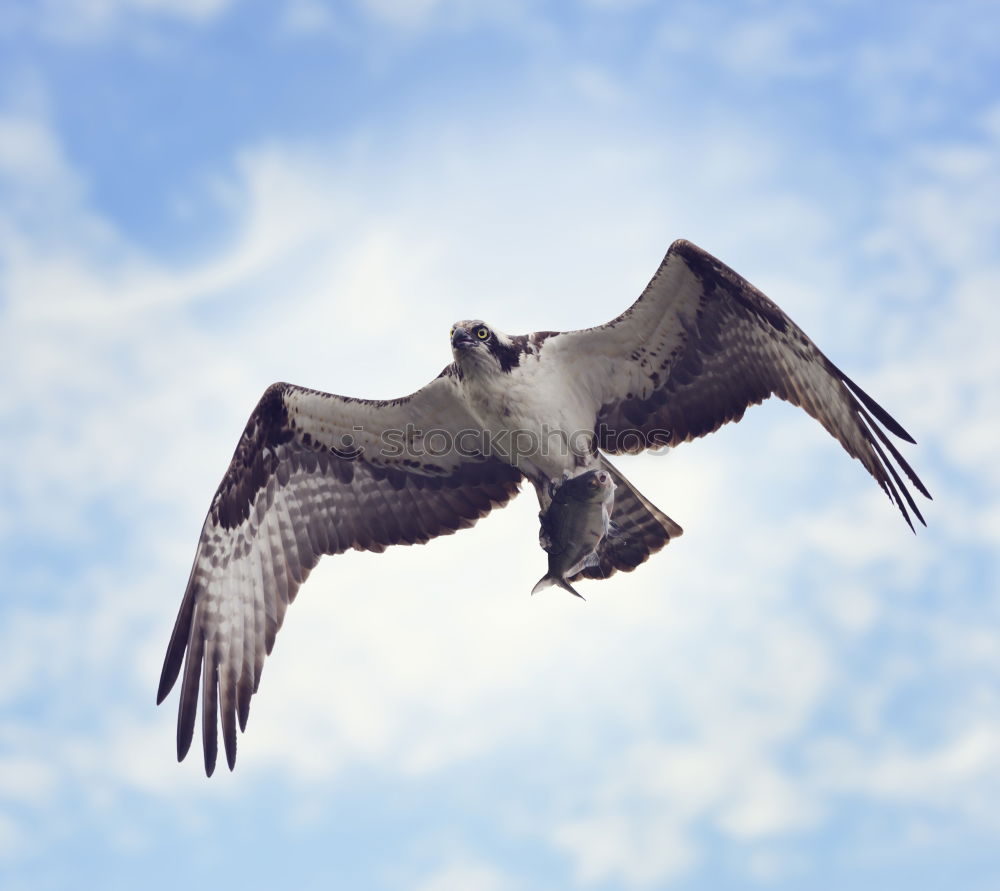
x=574 y=524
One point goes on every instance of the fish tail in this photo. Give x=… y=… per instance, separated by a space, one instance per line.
x=548 y=580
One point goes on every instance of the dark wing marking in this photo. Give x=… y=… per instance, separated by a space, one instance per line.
x=701 y=345
x=313 y=474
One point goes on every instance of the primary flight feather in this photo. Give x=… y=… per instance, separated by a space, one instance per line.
x=315 y=473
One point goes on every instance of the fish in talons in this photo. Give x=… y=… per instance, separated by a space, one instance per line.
x=573 y=526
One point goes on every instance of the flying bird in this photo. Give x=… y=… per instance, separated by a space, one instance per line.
x=315 y=473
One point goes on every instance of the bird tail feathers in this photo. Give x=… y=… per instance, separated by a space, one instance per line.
x=638 y=529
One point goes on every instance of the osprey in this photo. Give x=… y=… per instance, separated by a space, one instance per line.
x=315 y=473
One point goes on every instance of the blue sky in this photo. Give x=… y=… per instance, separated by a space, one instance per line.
x=200 y=197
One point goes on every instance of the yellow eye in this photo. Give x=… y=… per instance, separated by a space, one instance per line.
x=482 y=333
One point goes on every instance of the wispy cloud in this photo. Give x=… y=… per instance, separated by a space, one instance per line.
x=309 y=17
x=75 y=20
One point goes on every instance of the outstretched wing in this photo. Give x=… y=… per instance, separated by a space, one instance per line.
x=701 y=345
x=313 y=474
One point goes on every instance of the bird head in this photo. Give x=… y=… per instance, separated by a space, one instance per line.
x=477 y=346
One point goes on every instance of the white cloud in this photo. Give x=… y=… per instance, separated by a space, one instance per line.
x=403 y=12
x=12 y=839
x=939 y=220
x=84 y=19
x=615 y=5
x=638 y=851
x=26 y=779
x=29 y=154
x=309 y=17
x=959 y=775
x=761 y=42
x=640 y=817
x=598 y=86
x=767 y=804
x=463 y=874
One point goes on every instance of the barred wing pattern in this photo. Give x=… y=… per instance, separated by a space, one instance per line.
x=701 y=345
x=311 y=475
x=639 y=530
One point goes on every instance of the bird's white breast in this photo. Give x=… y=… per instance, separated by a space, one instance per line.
x=534 y=417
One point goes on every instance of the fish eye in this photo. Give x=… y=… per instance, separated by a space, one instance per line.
x=482 y=332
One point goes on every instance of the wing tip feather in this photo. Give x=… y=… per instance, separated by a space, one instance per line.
x=209 y=710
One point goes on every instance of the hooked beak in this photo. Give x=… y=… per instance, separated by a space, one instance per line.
x=461 y=339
